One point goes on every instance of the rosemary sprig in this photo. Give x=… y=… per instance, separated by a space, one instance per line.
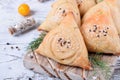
x=35 y=44
x=97 y=62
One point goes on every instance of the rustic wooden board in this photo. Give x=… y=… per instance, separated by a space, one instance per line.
x=43 y=65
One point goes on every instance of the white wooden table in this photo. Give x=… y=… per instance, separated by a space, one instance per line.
x=11 y=60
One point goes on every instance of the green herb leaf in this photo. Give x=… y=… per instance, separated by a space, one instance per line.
x=35 y=44
x=97 y=62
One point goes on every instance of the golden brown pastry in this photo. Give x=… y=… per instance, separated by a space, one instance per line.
x=115 y=12
x=118 y=4
x=65 y=44
x=85 y=5
x=59 y=10
x=99 y=31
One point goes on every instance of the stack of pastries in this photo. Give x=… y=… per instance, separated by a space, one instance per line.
x=77 y=26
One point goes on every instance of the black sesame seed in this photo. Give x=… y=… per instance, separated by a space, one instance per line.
x=63 y=11
x=95 y=26
x=107 y=27
x=59 y=39
x=105 y=35
x=68 y=42
x=64 y=42
x=61 y=44
x=89 y=30
x=99 y=31
x=94 y=30
x=62 y=59
x=98 y=35
x=103 y=31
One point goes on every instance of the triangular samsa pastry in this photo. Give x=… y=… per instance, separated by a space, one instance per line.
x=85 y=5
x=65 y=44
x=59 y=10
x=99 y=31
x=115 y=12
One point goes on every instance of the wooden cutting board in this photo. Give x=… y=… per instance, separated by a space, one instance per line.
x=46 y=66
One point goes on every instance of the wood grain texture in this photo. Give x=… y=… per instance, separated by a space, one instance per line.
x=49 y=67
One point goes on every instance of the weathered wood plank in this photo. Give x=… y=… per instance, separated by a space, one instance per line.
x=63 y=72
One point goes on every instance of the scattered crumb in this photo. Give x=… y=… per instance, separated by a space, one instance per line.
x=30 y=78
x=7 y=43
x=31 y=68
x=12 y=47
x=16 y=47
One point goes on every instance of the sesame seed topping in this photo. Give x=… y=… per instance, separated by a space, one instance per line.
x=63 y=11
x=69 y=42
x=104 y=31
x=64 y=42
x=94 y=30
x=98 y=35
x=90 y=30
x=95 y=26
x=105 y=35
x=59 y=39
x=61 y=44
